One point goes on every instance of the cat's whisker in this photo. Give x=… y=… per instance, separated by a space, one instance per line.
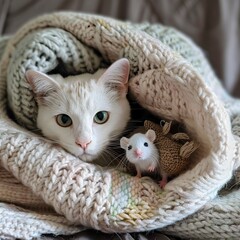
x=112 y=156
x=36 y=130
x=119 y=157
x=110 y=161
x=118 y=236
x=65 y=144
x=109 y=153
x=122 y=164
x=110 y=145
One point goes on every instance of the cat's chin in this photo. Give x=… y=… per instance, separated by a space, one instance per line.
x=87 y=157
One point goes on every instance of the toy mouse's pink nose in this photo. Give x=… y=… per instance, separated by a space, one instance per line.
x=138 y=152
x=83 y=144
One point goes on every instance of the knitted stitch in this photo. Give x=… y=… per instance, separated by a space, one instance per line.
x=23 y=224
x=166 y=79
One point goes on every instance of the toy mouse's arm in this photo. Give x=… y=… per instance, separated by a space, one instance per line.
x=152 y=167
x=180 y=136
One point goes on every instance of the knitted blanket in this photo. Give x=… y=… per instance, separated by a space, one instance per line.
x=171 y=78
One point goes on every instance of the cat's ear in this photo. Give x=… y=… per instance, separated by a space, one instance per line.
x=116 y=76
x=124 y=142
x=40 y=83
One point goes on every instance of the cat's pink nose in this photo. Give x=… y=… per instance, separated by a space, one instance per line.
x=83 y=144
x=138 y=152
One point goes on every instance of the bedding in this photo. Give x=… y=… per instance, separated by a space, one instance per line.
x=171 y=78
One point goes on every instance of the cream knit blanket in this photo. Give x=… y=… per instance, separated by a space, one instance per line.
x=171 y=78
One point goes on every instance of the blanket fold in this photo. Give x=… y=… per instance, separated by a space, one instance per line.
x=169 y=77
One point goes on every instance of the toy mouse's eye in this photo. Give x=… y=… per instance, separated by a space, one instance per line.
x=145 y=144
x=129 y=147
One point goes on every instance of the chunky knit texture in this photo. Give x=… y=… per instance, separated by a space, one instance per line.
x=171 y=78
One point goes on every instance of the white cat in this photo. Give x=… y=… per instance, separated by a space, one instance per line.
x=82 y=113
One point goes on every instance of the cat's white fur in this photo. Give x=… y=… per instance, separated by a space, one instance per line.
x=81 y=97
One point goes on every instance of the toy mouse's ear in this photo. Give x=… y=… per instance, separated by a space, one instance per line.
x=151 y=135
x=162 y=123
x=124 y=142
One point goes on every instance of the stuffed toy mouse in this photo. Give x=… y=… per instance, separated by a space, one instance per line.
x=174 y=150
x=159 y=150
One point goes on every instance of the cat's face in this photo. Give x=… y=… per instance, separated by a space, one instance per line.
x=82 y=113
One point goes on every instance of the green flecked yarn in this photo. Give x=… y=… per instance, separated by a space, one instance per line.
x=44 y=51
x=47 y=49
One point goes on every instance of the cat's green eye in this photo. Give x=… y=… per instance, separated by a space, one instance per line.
x=101 y=117
x=63 y=120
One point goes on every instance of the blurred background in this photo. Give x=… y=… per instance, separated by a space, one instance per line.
x=213 y=25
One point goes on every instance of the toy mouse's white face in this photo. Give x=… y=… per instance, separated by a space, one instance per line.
x=139 y=147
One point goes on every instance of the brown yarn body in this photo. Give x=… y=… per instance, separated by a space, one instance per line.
x=174 y=149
